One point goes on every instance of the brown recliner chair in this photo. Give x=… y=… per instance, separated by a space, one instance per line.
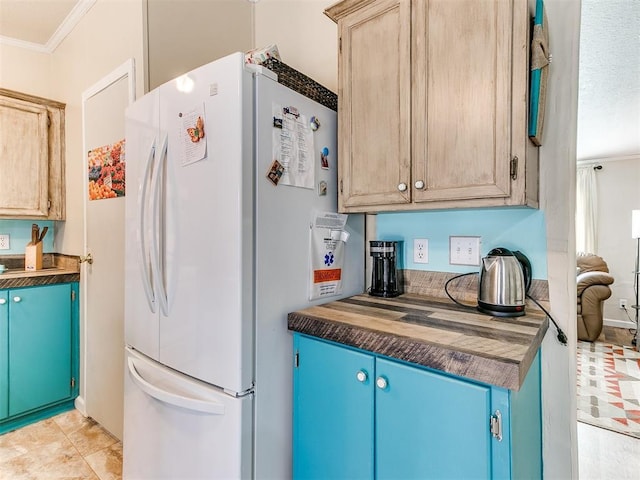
x=593 y=289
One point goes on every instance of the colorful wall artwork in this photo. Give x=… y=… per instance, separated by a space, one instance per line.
x=106 y=169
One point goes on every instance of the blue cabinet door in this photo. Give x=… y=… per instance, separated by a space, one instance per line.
x=430 y=425
x=333 y=412
x=40 y=346
x=4 y=353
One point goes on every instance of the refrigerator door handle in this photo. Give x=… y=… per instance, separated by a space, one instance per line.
x=173 y=398
x=143 y=200
x=158 y=263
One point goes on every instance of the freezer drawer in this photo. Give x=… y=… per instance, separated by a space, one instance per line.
x=178 y=427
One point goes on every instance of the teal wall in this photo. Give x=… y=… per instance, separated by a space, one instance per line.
x=20 y=235
x=513 y=228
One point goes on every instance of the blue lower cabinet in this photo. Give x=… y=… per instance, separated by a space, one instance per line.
x=4 y=354
x=333 y=433
x=40 y=352
x=426 y=422
x=360 y=415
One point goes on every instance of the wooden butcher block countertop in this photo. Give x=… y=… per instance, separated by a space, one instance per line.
x=432 y=332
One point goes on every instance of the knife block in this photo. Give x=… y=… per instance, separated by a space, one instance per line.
x=33 y=256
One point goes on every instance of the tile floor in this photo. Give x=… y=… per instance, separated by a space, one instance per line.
x=67 y=446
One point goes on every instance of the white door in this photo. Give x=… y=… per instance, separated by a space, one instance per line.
x=179 y=428
x=102 y=280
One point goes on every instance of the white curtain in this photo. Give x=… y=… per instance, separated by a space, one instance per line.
x=586 y=210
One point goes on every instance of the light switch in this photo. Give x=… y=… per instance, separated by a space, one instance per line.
x=464 y=251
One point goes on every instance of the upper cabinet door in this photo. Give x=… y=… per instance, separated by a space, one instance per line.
x=375 y=104
x=433 y=105
x=31 y=157
x=462 y=99
x=24 y=158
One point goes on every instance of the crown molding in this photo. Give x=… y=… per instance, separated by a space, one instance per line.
x=64 y=29
x=14 y=42
x=69 y=23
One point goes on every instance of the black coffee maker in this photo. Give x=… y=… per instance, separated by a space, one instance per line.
x=384 y=272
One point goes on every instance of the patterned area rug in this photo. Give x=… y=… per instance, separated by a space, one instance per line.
x=609 y=387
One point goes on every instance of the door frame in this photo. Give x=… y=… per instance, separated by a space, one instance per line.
x=125 y=71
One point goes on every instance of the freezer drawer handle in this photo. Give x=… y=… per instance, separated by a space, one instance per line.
x=189 y=403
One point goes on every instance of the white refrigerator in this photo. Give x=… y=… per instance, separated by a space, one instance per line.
x=217 y=254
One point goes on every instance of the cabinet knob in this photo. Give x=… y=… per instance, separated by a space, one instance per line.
x=362 y=376
x=381 y=383
x=17 y=299
x=402 y=187
x=3 y=301
x=419 y=184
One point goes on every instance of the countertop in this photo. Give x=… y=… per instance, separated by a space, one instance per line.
x=432 y=332
x=57 y=269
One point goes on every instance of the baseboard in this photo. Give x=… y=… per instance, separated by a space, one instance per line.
x=80 y=405
x=612 y=322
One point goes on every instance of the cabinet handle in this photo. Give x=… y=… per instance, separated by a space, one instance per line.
x=3 y=301
x=362 y=376
x=419 y=184
x=402 y=187
x=381 y=383
x=17 y=299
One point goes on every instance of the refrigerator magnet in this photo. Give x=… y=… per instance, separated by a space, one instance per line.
x=314 y=123
x=196 y=133
x=324 y=158
x=275 y=172
x=293 y=111
x=322 y=188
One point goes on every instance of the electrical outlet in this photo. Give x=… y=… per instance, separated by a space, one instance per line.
x=464 y=251
x=4 y=241
x=622 y=303
x=420 y=250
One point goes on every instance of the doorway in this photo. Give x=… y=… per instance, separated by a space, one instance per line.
x=102 y=353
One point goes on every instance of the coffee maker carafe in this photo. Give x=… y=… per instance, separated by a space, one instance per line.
x=384 y=273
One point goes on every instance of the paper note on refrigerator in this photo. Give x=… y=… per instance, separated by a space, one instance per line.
x=293 y=146
x=191 y=131
x=326 y=254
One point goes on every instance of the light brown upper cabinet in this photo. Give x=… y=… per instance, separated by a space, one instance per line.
x=31 y=157
x=433 y=105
